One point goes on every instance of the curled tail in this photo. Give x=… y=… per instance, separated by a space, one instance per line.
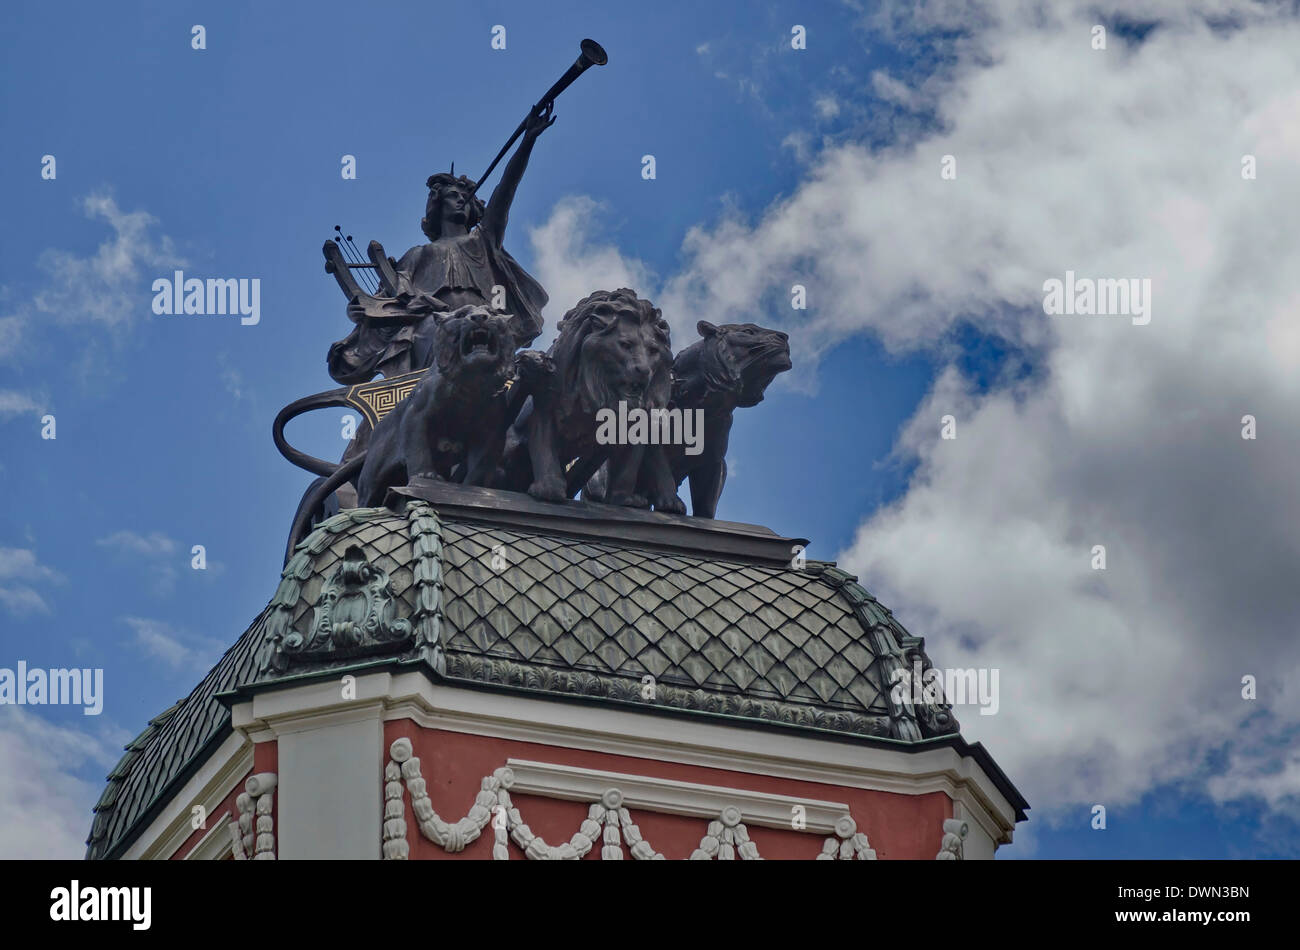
x=315 y=498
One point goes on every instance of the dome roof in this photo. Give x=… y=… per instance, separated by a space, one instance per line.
x=667 y=614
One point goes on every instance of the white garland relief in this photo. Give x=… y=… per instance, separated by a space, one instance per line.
x=954 y=834
x=608 y=822
x=254 y=833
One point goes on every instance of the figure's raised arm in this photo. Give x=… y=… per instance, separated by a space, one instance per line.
x=498 y=206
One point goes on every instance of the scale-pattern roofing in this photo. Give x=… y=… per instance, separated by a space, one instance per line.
x=167 y=745
x=686 y=621
x=563 y=615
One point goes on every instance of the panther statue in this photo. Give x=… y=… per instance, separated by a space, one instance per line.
x=729 y=367
x=611 y=347
x=453 y=424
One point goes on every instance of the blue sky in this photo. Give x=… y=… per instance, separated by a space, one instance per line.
x=228 y=159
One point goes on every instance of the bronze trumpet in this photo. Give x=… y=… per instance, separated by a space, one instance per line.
x=592 y=54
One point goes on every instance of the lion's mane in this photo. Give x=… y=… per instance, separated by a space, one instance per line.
x=584 y=388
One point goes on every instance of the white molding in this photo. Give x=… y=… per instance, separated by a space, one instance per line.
x=617 y=731
x=208 y=787
x=706 y=744
x=214 y=845
x=311 y=706
x=672 y=796
x=290 y=723
x=962 y=808
x=981 y=842
x=329 y=774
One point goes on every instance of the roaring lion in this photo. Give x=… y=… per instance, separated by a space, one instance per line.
x=730 y=367
x=455 y=418
x=612 y=347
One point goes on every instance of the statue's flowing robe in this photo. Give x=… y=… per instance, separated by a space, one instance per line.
x=456 y=270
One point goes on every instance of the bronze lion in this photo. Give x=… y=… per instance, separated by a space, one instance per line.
x=729 y=367
x=454 y=420
x=613 y=347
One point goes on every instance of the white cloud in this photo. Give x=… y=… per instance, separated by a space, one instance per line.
x=15 y=403
x=1276 y=783
x=233 y=380
x=21 y=599
x=155 y=548
x=1121 y=163
x=1116 y=163
x=21 y=564
x=45 y=804
x=11 y=332
x=109 y=288
x=826 y=107
x=19 y=569
x=800 y=143
x=894 y=91
x=160 y=641
x=130 y=542
x=570 y=265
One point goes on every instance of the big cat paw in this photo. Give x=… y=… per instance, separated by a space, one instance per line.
x=628 y=501
x=672 y=505
x=549 y=488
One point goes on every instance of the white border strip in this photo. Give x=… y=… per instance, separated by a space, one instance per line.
x=672 y=796
x=214 y=845
x=207 y=787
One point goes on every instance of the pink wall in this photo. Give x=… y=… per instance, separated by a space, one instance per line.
x=265 y=757
x=454 y=764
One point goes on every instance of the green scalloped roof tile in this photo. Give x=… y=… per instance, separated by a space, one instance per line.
x=600 y=608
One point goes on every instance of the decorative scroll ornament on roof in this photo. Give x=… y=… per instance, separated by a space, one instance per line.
x=353 y=615
x=933 y=711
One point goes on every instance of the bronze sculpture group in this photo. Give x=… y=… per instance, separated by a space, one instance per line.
x=464 y=400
